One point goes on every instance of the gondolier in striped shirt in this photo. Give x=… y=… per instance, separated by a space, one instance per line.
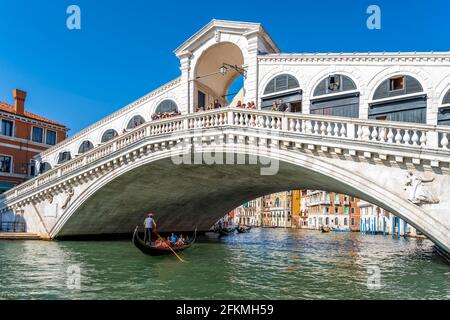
x=149 y=224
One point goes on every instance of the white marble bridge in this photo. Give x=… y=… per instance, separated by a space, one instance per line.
x=104 y=179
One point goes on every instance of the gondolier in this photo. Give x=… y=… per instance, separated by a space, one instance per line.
x=149 y=224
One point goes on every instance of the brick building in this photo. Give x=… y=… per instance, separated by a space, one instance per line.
x=23 y=135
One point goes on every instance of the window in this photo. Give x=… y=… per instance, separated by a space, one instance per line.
x=7 y=128
x=38 y=135
x=353 y=221
x=336 y=221
x=85 y=147
x=51 y=137
x=353 y=210
x=108 y=135
x=136 y=121
x=345 y=222
x=334 y=83
x=5 y=164
x=64 y=157
x=167 y=106
x=345 y=210
x=44 y=166
x=336 y=210
x=397 y=83
x=281 y=83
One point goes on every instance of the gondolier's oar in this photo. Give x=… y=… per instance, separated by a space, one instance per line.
x=160 y=238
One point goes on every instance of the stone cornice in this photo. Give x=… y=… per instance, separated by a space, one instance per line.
x=416 y=57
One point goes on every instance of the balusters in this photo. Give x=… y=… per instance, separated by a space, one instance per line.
x=343 y=130
x=398 y=137
x=444 y=141
x=374 y=134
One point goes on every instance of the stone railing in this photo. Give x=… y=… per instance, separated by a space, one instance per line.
x=164 y=88
x=379 y=132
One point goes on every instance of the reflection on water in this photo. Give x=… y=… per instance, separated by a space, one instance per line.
x=262 y=264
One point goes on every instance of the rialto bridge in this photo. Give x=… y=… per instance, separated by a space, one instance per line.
x=374 y=126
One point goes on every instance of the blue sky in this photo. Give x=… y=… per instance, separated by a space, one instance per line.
x=124 y=48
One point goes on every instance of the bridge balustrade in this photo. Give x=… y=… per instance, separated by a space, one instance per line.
x=375 y=131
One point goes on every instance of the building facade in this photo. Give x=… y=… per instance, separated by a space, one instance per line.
x=376 y=220
x=332 y=210
x=249 y=214
x=23 y=135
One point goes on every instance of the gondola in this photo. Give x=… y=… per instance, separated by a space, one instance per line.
x=244 y=229
x=325 y=229
x=225 y=231
x=153 y=251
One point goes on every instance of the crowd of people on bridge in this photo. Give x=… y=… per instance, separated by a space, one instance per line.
x=163 y=115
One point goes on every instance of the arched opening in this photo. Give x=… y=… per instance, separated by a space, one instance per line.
x=444 y=110
x=336 y=95
x=399 y=98
x=85 y=147
x=166 y=108
x=64 y=157
x=282 y=93
x=136 y=121
x=215 y=72
x=109 y=135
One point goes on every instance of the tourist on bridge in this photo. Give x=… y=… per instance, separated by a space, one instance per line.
x=149 y=224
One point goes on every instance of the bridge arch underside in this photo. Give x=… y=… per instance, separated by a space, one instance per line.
x=189 y=195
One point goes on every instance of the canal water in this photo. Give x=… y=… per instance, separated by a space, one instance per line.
x=263 y=264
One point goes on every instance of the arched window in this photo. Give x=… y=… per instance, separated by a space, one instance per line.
x=399 y=98
x=136 y=121
x=281 y=83
x=345 y=222
x=283 y=89
x=167 y=106
x=85 y=146
x=44 y=167
x=108 y=135
x=64 y=157
x=330 y=97
x=444 y=110
x=327 y=221
x=336 y=221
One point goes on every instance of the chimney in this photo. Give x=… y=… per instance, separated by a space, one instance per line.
x=19 y=101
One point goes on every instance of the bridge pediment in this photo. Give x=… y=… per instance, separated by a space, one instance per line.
x=217 y=28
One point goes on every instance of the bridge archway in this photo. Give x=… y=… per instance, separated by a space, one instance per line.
x=189 y=195
x=209 y=83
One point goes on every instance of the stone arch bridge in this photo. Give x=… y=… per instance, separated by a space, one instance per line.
x=191 y=169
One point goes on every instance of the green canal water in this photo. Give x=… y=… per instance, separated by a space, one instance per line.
x=263 y=264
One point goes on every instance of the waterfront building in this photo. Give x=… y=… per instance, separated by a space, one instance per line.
x=376 y=220
x=331 y=209
x=249 y=214
x=279 y=209
x=24 y=135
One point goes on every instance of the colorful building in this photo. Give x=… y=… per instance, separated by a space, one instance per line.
x=331 y=209
x=376 y=220
x=23 y=135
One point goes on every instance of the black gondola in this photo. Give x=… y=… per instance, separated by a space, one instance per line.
x=225 y=231
x=244 y=229
x=153 y=251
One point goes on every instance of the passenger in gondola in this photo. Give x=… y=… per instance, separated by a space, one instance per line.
x=180 y=242
x=173 y=238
